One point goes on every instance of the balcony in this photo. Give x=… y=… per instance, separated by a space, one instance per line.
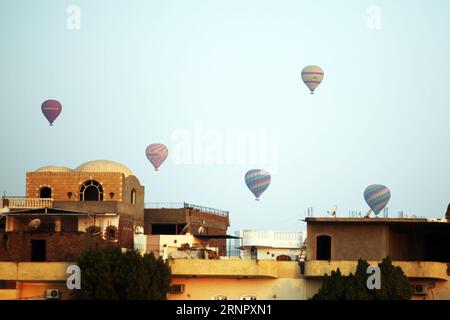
x=185 y=205
x=272 y=239
x=412 y=269
x=27 y=203
x=238 y=268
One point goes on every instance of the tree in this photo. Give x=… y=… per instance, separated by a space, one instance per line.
x=109 y=273
x=394 y=284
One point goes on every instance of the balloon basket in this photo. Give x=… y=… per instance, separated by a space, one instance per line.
x=257 y=199
x=156 y=169
x=51 y=124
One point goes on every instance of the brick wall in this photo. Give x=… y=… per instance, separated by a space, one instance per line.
x=63 y=182
x=64 y=246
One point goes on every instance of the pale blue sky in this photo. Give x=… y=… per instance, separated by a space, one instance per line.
x=138 y=71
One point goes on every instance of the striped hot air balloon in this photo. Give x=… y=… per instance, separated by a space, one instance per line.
x=377 y=197
x=257 y=181
x=51 y=110
x=312 y=76
x=156 y=154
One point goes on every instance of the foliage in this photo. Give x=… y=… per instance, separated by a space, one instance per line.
x=108 y=273
x=394 y=284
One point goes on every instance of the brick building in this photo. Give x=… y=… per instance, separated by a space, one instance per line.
x=182 y=218
x=66 y=211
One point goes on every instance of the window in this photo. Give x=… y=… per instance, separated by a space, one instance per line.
x=164 y=229
x=45 y=192
x=7 y=284
x=219 y=297
x=253 y=253
x=248 y=297
x=69 y=224
x=133 y=196
x=37 y=250
x=323 y=248
x=91 y=191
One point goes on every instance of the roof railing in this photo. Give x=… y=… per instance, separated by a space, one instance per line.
x=26 y=203
x=179 y=205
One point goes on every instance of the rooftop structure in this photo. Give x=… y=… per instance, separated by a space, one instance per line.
x=182 y=218
x=271 y=244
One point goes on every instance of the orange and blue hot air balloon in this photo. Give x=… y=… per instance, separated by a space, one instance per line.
x=312 y=76
x=156 y=154
x=257 y=181
x=51 y=110
x=377 y=197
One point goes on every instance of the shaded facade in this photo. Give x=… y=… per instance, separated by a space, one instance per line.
x=421 y=247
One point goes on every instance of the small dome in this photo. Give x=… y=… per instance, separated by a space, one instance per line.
x=104 y=166
x=54 y=169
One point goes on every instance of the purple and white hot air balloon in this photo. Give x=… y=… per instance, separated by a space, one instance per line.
x=377 y=197
x=257 y=180
x=156 y=154
x=51 y=110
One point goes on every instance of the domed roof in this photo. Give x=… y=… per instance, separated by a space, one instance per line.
x=104 y=166
x=54 y=169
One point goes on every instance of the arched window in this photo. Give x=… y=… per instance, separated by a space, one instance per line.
x=323 y=248
x=133 y=196
x=91 y=191
x=45 y=192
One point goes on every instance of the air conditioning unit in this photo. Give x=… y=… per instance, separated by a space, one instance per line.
x=420 y=289
x=177 y=288
x=52 y=294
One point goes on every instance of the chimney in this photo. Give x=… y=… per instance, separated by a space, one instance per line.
x=447 y=215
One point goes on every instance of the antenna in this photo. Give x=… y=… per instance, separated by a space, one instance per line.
x=185 y=228
x=333 y=211
x=310 y=212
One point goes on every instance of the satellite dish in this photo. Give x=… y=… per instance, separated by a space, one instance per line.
x=201 y=230
x=332 y=211
x=34 y=224
x=368 y=213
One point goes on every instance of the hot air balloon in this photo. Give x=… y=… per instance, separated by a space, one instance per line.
x=51 y=110
x=257 y=181
x=312 y=76
x=377 y=197
x=156 y=154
